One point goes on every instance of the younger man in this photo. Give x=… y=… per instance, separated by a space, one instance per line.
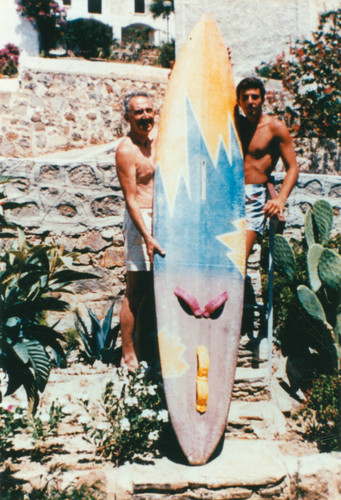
x=264 y=139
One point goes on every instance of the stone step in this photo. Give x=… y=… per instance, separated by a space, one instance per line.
x=251 y=384
x=255 y=420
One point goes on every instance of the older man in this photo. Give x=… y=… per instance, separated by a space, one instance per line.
x=135 y=170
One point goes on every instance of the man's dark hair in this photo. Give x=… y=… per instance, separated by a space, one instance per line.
x=129 y=97
x=251 y=83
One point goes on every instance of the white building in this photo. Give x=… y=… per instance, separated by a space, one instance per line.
x=17 y=30
x=255 y=30
x=120 y=14
x=123 y=14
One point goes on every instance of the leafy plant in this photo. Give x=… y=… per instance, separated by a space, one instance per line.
x=99 y=343
x=12 y=422
x=128 y=423
x=315 y=304
x=158 y=8
x=46 y=425
x=14 y=489
x=30 y=277
x=312 y=76
x=274 y=70
x=47 y=17
x=321 y=413
x=167 y=54
x=40 y=427
x=88 y=38
x=9 y=60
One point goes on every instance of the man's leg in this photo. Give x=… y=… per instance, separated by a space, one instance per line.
x=137 y=286
x=146 y=341
x=251 y=237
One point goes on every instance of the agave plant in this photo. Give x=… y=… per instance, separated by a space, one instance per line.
x=30 y=276
x=99 y=342
x=321 y=300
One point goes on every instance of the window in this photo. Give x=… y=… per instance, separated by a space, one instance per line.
x=67 y=2
x=139 y=6
x=95 y=6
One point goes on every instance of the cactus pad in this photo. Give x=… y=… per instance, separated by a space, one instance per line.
x=311 y=303
x=323 y=220
x=329 y=269
x=313 y=258
x=284 y=259
x=309 y=228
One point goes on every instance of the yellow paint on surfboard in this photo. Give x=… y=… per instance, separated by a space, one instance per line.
x=235 y=241
x=171 y=353
x=202 y=373
x=209 y=87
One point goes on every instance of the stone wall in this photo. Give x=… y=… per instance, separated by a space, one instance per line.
x=64 y=104
x=78 y=203
x=68 y=104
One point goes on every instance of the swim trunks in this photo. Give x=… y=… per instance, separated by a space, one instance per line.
x=255 y=198
x=135 y=250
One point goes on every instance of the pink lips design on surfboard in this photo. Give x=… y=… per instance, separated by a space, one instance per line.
x=211 y=307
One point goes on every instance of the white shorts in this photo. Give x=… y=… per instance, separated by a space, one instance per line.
x=135 y=250
x=255 y=199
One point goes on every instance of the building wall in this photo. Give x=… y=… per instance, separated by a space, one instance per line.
x=18 y=30
x=120 y=14
x=255 y=30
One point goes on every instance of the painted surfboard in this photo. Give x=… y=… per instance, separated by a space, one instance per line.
x=199 y=220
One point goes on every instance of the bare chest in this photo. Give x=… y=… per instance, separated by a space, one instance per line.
x=261 y=143
x=144 y=167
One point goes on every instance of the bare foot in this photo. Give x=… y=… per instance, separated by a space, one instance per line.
x=130 y=361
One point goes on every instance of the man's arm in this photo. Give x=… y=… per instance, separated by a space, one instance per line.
x=126 y=172
x=287 y=153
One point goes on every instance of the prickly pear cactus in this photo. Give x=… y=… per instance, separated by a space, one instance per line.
x=322 y=301
x=323 y=220
x=284 y=258
x=313 y=257
x=318 y=223
x=329 y=269
x=311 y=303
x=309 y=228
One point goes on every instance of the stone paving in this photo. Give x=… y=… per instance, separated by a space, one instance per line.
x=261 y=455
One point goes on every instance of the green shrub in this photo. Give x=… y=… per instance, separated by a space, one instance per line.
x=321 y=413
x=9 y=60
x=128 y=423
x=47 y=16
x=88 y=38
x=167 y=54
x=312 y=75
x=12 y=422
x=274 y=70
x=157 y=8
x=30 y=277
x=15 y=422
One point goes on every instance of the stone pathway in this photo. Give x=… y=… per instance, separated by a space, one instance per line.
x=261 y=455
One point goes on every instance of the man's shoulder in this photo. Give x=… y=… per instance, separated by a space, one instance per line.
x=125 y=147
x=125 y=144
x=276 y=125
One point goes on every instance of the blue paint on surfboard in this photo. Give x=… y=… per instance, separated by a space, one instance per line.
x=210 y=203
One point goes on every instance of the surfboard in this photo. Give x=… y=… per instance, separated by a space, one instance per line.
x=199 y=220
